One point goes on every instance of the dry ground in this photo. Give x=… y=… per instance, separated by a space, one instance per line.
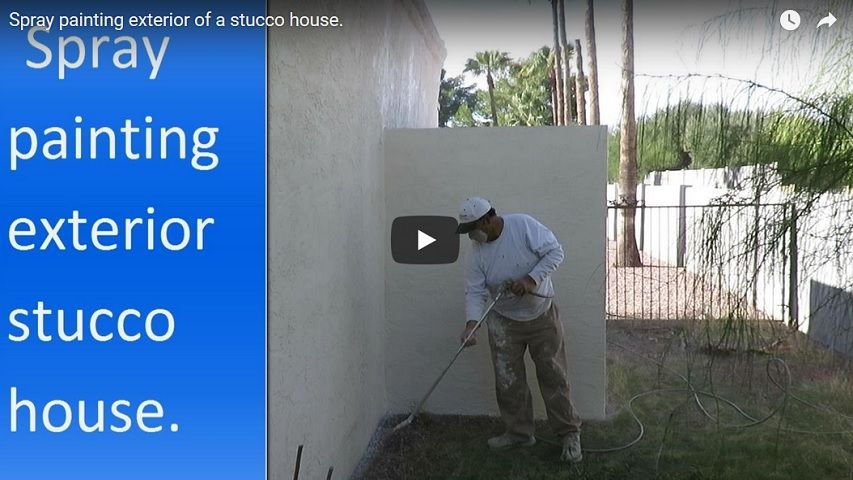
x=659 y=290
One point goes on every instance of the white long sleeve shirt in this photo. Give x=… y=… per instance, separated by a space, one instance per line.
x=525 y=247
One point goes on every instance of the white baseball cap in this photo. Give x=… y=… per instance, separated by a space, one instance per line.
x=471 y=210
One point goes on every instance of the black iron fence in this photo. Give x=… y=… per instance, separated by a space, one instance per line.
x=702 y=261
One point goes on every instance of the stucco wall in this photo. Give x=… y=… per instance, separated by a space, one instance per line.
x=331 y=92
x=555 y=174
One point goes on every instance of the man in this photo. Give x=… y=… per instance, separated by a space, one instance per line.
x=517 y=253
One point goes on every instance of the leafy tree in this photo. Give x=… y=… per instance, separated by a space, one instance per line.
x=464 y=117
x=809 y=151
x=521 y=94
x=814 y=152
x=526 y=93
x=453 y=94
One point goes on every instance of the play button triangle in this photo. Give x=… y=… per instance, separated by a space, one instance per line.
x=424 y=240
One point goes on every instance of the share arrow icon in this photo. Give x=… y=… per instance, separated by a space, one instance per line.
x=827 y=20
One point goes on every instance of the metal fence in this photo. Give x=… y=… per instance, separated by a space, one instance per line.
x=702 y=261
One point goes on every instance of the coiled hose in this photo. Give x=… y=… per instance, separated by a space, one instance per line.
x=696 y=394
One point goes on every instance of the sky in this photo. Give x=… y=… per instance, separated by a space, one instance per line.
x=671 y=37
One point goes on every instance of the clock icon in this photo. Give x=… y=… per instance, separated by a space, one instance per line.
x=790 y=20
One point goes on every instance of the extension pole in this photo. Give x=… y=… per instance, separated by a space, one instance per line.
x=417 y=409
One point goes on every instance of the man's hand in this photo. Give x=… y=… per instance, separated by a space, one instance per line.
x=523 y=285
x=469 y=327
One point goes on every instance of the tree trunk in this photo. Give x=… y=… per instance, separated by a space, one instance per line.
x=592 y=80
x=580 y=84
x=572 y=101
x=627 y=254
x=568 y=82
x=552 y=83
x=558 y=65
x=491 y=83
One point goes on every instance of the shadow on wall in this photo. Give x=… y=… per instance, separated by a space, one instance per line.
x=831 y=319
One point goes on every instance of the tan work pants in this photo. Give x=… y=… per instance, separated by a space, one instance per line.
x=543 y=336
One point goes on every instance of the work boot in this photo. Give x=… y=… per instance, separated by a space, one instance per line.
x=572 y=448
x=508 y=440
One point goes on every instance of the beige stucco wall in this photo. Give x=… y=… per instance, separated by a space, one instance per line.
x=555 y=174
x=331 y=92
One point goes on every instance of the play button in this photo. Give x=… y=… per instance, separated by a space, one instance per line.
x=424 y=240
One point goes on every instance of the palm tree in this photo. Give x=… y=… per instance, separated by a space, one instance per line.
x=490 y=63
x=592 y=80
x=559 y=97
x=580 y=84
x=568 y=79
x=627 y=253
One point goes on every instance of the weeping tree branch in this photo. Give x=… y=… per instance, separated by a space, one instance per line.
x=750 y=84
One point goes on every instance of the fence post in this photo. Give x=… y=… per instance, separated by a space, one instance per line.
x=681 y=236
x=642 y=202
x=756 y=224
x=793 y=293
x=615 y=212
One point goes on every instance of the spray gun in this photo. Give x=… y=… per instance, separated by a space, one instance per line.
x=417 y=409
x=420 y=404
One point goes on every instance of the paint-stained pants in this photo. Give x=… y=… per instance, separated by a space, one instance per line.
x=543 y=336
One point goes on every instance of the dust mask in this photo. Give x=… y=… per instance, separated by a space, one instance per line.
x=478 y=236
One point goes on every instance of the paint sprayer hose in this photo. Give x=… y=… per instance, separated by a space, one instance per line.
x=696 y=395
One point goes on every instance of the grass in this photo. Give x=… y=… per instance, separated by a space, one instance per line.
x=680 y=442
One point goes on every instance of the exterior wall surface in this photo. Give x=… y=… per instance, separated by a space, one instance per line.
x=556 y=175
x=331 y=93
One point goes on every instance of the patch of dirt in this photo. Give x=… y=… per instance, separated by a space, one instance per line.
x=658 y=290
x=395 y=449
